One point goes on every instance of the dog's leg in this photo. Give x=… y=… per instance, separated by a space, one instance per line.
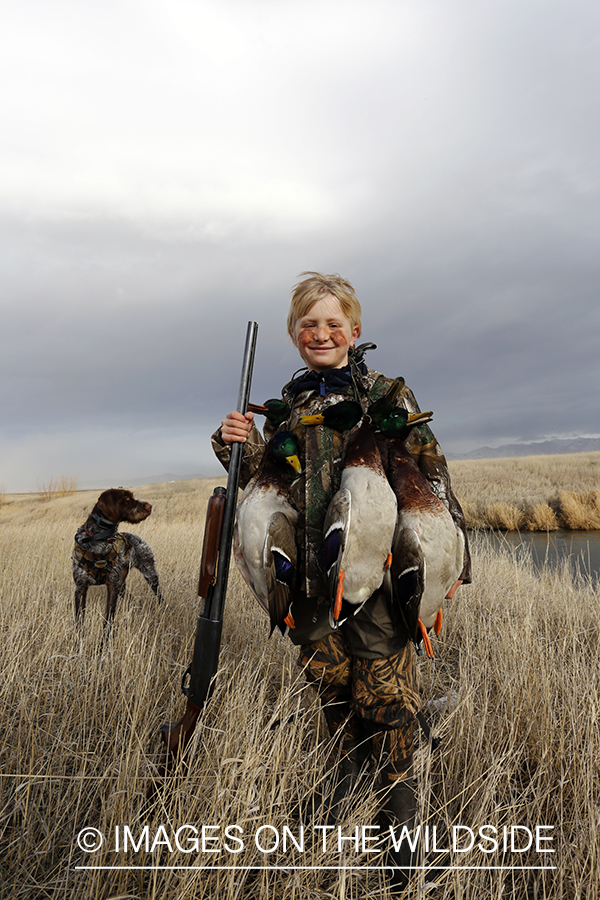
x=123 y=579
x=80 y=598
x=142 y=558
x=152 y=580
x=112 y=594
x=115 y=589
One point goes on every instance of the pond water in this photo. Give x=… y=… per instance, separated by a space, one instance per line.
x=580 y=548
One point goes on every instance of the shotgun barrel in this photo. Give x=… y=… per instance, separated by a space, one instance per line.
x=198 y=679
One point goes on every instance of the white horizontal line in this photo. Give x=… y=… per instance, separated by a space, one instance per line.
x=312 y=868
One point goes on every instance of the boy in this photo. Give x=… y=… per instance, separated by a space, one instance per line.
x=364 y=671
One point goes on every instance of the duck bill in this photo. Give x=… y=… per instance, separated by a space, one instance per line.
x=419 y=418
x=312 y=420
x=395 y=389
x=257 y=408
x=294 y=462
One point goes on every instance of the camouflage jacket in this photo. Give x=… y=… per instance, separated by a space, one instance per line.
x=321 y=455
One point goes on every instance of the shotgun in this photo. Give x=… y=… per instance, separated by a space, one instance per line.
x=198 y=679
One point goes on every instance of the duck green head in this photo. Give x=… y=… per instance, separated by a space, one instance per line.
x=285 y=449
x=399 y=422
x=341 y=416
x=380 y=409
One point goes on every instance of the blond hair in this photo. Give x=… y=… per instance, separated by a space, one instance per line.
x=308 y=292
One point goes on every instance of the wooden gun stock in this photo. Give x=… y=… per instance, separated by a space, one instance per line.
x=176 y=735
x=198 y=679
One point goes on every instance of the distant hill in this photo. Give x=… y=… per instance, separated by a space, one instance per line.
x=575 y=445
x=572 y=445
x=166 y=477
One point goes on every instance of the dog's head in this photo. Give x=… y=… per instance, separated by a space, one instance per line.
x=119 y=505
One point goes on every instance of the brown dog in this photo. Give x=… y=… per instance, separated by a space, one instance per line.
x=103 y=555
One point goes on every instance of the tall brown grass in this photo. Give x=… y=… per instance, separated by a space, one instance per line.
x=530 y=493
x=516 y=686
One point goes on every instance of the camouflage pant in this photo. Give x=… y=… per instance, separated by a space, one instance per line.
x=364 y=699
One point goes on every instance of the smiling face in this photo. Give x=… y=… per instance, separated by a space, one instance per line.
x=324 y=335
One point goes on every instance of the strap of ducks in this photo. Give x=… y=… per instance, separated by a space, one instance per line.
x=382 y=416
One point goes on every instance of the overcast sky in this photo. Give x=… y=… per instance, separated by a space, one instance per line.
x=169 y=167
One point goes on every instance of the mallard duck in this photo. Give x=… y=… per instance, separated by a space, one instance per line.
x=428 y=547
x=264 y=536
x=392 y=420
x=399 y=422
x=359 y=526
x=276 y=411
x=380 y=409
x=283 y=449
x=340 y=416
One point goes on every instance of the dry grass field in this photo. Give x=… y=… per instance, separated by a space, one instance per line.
x=530 y=493
x=514 y=694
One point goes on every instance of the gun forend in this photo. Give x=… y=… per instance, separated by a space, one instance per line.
x=212 y=539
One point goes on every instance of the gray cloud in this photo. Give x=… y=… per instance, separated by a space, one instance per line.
x=167 y=180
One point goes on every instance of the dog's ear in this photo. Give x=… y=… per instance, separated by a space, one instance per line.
x=109 y=504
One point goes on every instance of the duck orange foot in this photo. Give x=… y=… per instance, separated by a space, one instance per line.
x=339 y=595
x=426 y=641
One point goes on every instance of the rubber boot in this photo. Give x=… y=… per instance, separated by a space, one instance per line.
x=400 y=809
x=331 y=807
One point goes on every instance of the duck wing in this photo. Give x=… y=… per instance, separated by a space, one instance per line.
x=443 y=547
x=335 y=528
x=408 y=579
x=359 y=526
x=421 y=512
x=248 y=542
x=279 y=560
x=265 y=521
